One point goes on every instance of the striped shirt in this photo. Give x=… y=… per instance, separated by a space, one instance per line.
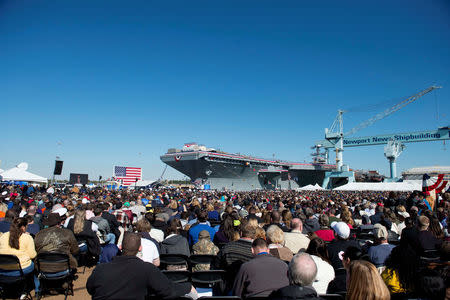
x=232 y=256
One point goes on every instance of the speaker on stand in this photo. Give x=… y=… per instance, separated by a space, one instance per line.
x=58 y=169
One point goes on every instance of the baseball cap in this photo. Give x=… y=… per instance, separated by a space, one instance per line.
x=60 y=211
x=380 y=232
x=204 y=234
x=243 y=213
x=404 y=214
x=341 y=229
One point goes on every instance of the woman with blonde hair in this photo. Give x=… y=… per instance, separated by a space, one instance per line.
x=260 y=233
x=365 y=282
x=275 y=238
x=346 y=217
x=82 y=229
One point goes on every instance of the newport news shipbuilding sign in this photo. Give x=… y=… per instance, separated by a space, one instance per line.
x=410 y=137
x=421 y=136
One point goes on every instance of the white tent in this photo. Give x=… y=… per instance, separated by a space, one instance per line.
x=318 y=187
x=20 y=173
x=310 y=187
x=143 y=183
x=405 y=186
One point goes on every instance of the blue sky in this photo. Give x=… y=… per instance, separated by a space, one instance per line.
x=120 y=82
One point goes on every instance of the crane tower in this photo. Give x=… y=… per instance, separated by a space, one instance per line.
x=335 y=135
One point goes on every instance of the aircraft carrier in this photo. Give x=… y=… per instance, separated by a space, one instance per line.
x=212 y=169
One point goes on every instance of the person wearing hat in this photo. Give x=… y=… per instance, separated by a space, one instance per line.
x=56 y=239
x=381 y=251
x=402 y=216
x=340 y=243
x=204 y=246
x=426 y=239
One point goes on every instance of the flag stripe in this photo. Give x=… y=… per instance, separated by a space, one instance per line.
x=441 y=187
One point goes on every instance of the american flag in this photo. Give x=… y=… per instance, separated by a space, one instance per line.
x=127 y=175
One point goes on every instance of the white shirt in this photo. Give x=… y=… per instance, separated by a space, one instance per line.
x=66 y=222
x=325 y=274
x=157 y=234
x=149 y=251
x=400 y=228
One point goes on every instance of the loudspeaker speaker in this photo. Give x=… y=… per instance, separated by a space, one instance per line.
x=58 y=167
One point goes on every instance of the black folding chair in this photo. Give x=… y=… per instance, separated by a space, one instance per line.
x=82 y=259
x=214 y=279
x=54 y=271
x=213 y=222
x=172 y=259
x=331 y=296
x=220 y=298
x=202 y=259
x=178 y=276
x=13 y=286
x=430 y=256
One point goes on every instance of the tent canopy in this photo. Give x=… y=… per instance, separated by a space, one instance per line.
x=310 y=187
x=143 y=182
x=405 y=186
x=20 y=174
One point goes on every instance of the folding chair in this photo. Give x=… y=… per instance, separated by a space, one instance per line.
x=214 y=222
x=331 y=297
x=214 y=279
x=203 y=259
x=11 y=286
x=172 y=259
x=178 y=276
x=220 y=298
x=54 y=268
x=430 y=256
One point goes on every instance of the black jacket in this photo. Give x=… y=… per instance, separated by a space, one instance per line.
x=376 y=218
x=113 y=223
x=295 y=292
x=175 y=244
x=87 y=236
x=337 y=246
x=311 y=225
x=128 y=277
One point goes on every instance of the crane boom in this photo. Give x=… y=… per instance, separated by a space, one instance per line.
x=390 y=110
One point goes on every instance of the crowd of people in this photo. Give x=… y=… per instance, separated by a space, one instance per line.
x=272 y=244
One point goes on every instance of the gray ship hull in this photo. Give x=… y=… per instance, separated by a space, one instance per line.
x=223 y=171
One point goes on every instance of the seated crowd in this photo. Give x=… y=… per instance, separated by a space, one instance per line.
x=271 y=244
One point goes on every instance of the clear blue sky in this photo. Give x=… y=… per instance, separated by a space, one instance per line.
x=120 y=82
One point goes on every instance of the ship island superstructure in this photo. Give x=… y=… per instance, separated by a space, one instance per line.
x=226 y=171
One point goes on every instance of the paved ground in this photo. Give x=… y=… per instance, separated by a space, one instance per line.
x=79 y=287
